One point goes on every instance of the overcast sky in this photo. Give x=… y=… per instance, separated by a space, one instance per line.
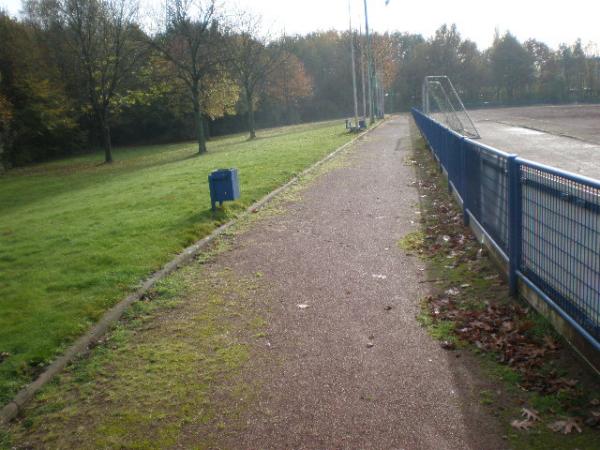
x=551 y=21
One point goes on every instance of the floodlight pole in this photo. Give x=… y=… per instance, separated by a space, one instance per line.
x=369 y=66
x=362 y=77
x=353 y=69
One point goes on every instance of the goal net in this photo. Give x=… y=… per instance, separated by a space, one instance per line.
x=442 y=102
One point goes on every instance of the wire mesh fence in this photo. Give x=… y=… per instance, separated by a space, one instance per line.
x=561 y=240
x=545 y=221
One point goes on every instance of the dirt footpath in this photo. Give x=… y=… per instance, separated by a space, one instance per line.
x=352 y=368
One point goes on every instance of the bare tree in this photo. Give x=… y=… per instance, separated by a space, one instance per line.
x=253 y=59
x=102 y=33
x=191 y=40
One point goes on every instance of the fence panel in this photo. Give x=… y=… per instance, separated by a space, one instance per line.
x=494 y=195
x=558 y=215
x=561 y=240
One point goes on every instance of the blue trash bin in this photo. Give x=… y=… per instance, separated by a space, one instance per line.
x=224 y=186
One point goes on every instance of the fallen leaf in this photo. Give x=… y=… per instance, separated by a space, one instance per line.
x=481 y=325
x=508 y=325
x=530 y=414
x=551 y=344
x=594 y=419
x=521 y=424
x=566 y=426
x=448 y=345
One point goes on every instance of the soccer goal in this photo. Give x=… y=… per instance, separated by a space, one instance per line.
x=441 y=101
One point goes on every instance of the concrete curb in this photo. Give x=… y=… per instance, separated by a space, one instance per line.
x=85 y=342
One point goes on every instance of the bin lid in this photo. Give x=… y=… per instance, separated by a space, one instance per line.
x=221 y=173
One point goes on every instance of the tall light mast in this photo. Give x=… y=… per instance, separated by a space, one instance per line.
x=369 y=66
x=353 y=68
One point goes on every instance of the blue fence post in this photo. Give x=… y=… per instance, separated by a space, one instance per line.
x=449 y=160
x=515 y=222
x=463 y=180
x=439 y=151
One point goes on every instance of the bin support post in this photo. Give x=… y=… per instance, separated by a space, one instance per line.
x=515 y=223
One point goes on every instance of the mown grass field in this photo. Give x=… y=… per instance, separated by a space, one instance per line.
x=76 y=235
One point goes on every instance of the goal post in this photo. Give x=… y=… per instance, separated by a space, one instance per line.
x=441 y=100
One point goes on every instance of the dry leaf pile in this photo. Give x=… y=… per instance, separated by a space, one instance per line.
x=502 y=328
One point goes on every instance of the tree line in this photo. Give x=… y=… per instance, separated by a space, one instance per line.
x=508 y=73
x=79 y=74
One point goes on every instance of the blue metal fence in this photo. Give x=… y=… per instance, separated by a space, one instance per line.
x=544 y=221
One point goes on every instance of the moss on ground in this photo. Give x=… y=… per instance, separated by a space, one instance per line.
x=461 y=270
x=412 y=242
x=162 y=373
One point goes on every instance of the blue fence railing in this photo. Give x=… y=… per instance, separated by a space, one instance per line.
x=544 y=221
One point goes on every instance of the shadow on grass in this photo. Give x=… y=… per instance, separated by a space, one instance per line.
x=88 y=176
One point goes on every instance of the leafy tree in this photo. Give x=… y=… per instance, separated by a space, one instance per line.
x=472 y=74
x=549 y=82
x=512 y=66
x=386 y=57
x=443 y=49
x=220 y=96
x=289 y=84
x=192 y=42
x=326 y=60
x=37 y=119
x=253 y=59
x=412 y=67
x=5 y=119
x=104 y=37
x=578 y=70
x=157 y=105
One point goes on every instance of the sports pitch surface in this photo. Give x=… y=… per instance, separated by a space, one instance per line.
x=566 y=137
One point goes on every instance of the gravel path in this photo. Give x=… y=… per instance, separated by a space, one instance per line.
x=348 y=371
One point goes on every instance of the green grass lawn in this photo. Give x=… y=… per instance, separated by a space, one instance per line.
x=76 y=236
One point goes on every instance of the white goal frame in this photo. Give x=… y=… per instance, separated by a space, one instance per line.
x=439 y=92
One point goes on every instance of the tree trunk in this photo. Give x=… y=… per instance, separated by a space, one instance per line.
x=199 y=124
x=106 y=141
x=2 y=162
x=206 y=128
x=251 y=124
